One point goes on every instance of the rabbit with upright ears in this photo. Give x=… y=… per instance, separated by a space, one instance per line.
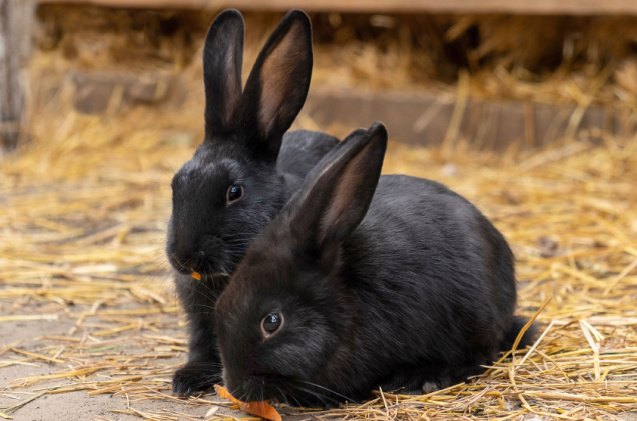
x=242 y=174
x=359 y=283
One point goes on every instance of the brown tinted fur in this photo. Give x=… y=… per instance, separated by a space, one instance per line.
x=275 y=74
x=348 y=189
x=233 y=91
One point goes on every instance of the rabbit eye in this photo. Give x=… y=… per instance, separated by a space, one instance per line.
x=271 y=323
x=234 y=193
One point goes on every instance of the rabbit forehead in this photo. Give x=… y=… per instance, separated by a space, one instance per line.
x=209 y=170
x=267 y=279
x=268 y=271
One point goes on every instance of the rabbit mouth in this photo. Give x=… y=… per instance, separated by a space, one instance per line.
x=216 y=275
x=203 y=267
x=258 y=388
x=205 y=274
x=289 y=391
x=211 y=256
x=211 y=270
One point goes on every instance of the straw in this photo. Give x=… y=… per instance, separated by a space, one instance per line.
x=117 y=293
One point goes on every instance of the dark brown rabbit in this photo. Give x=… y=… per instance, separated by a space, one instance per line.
x=245 y=170
x=359 y=283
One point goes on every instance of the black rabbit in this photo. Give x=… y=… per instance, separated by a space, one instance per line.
x=242 y=174
x=359 y=283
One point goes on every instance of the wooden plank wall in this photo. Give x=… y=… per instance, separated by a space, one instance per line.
x=429 y=119
x=15 y=37
x=10 y=94
x=569 y=7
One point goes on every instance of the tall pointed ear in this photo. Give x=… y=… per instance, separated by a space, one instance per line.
x=222 y=59
x=278 y=83
x=334 y=201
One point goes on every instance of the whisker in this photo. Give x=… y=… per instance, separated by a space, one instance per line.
x=327 y=390
x=323 y=398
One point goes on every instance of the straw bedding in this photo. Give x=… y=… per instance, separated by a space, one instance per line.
x=86 y=303
x=83 y=214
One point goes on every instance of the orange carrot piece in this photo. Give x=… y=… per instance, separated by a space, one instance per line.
x=222 y=392
x=196 y=275
x=260 y=409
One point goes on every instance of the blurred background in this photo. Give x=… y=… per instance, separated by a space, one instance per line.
x=526 y=107
x=539 y=73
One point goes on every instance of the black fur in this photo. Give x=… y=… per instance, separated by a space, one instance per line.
x=398 y=283
x=243 y=137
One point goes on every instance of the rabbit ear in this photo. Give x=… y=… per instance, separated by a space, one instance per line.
x=334 y=202
x=222 y=59
x=278 y=84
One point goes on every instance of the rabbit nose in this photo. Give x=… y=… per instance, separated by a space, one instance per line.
x=198 y=261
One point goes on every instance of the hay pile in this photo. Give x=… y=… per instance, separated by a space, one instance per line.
x=89 y=318
x=546 y=59
x=81 y=261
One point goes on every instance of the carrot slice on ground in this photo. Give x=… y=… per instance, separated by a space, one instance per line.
x=260 y=409
x=222 y=392
x=196 y=275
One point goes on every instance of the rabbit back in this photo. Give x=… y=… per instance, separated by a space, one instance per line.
x=438 y=271
x=301 y=150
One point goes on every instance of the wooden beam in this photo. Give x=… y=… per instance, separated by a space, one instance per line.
x=569 y=7
x=426 y=118
x=15 y=18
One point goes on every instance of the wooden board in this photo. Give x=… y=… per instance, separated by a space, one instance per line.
x=15 y=18
x=571 y=7
x=428 y=119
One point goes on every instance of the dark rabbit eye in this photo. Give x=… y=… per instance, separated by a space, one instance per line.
x=234 y=193
x=271 y=323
